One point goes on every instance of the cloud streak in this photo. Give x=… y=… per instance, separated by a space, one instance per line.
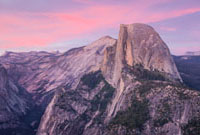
x=35 y=29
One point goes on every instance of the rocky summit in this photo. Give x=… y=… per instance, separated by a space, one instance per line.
x=128 y=86
x=140 y=44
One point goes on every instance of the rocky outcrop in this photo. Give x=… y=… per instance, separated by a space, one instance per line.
x=137 y=45
x=154 y=108
x=78 y=111
x=145 y=106
x=140 y=44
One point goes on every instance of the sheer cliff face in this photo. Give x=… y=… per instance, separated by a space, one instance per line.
x=14 y=105
x=135 y=92
x=137 y=45
x=140 y=44
x=78 y=111
x=143 y=45
x=9 y=94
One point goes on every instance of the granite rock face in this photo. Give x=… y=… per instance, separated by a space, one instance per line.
x=14 y=105
x=145 y=106
x=137 y=45
x=140 y=44
x=78 y=111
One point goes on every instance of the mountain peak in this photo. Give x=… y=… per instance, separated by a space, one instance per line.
x=138 y=26
x=143 y=45
x=140 y=44
x=139 y=30
x=189 y=53
x=101 y=42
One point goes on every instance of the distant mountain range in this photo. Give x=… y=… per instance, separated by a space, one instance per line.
x=130 y=85
x=188 y=67
x=193 y=53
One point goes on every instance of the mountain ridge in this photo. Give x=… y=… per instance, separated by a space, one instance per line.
x=189 y=53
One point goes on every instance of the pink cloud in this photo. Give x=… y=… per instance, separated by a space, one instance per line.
x=183 y=49
x=168 y=28
x=42 y=29
x=26 y=29
x=83 y=1
x=171 y=14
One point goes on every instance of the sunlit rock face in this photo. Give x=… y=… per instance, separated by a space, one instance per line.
x=137 y=45
x=140 y=44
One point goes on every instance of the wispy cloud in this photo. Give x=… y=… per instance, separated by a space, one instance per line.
x=181 y=50
x=35 y=29
x=167 y=28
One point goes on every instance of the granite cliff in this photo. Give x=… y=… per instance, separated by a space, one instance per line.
x=140 y=44
x=15 y=104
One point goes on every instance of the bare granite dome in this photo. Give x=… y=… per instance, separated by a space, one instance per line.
x=144 y=46
x=140 y=44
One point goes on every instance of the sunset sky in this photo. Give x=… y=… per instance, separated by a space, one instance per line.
x=51 y=25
